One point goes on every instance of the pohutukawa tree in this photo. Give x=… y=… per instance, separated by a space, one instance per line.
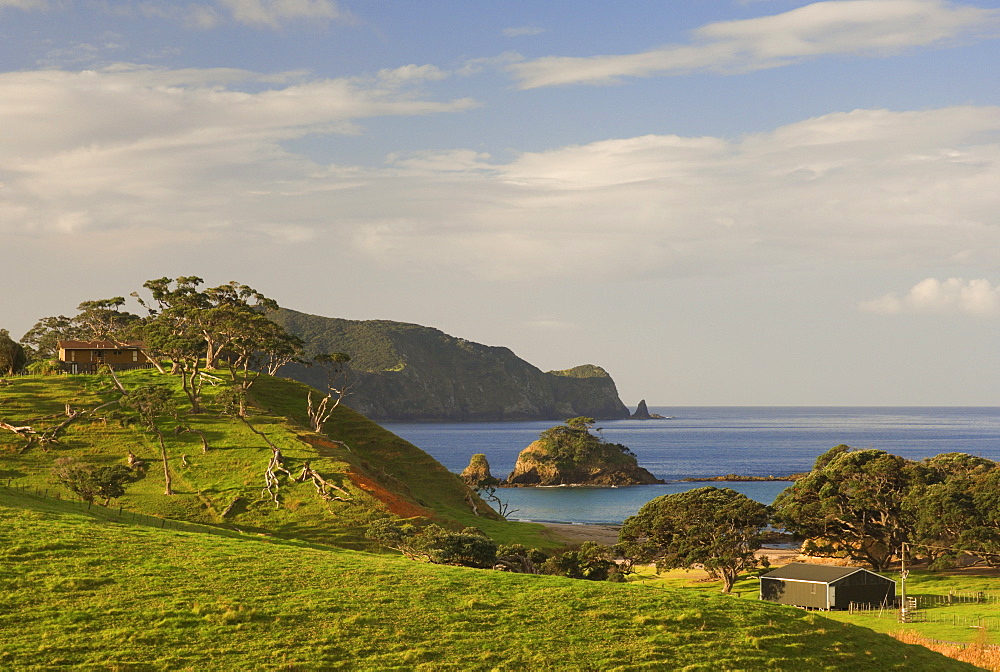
x=852 y=504
x=717 y=528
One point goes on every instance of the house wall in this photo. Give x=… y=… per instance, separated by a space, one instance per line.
x=87 y=360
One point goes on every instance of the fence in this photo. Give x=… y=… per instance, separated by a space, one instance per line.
x=114 y=514
x=921 y=615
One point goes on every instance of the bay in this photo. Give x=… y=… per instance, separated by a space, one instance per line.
x=701 y=442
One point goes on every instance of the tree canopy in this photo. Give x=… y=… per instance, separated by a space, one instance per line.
x=717 y=528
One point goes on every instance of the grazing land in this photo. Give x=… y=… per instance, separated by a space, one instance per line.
x=81 y=590
x=232 y=579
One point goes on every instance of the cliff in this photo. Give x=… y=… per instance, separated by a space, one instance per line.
x=408 y=372
x=570 y=455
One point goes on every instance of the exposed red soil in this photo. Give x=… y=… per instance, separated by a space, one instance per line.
x=394 y=503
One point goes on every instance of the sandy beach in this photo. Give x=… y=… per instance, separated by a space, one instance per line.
x=608 y=535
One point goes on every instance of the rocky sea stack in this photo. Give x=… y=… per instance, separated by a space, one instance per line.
x=642 y=413
x=477 y=472
x=570 y=455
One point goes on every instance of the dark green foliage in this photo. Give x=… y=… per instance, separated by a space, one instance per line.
x=12 y=355
x=41 y=341
x=593 y=562
x=851 y=504
x=572 y=444
x=468 y=548
x=89 y=482
x=717 y=528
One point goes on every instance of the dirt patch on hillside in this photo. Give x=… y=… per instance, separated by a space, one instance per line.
x=393 y=502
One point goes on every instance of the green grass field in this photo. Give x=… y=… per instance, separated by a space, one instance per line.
x=297 y=586
x=935 y=621
x=82 y=591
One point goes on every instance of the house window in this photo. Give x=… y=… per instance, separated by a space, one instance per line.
x=135 y=355
x=72 y=355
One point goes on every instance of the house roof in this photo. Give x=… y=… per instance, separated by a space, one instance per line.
x=803 y=571
x=97 y=345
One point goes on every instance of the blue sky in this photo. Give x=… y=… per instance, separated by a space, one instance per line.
x=752 y=202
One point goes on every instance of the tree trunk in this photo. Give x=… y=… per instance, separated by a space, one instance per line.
x=166 y=469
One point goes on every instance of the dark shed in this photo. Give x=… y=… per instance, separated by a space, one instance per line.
x=826 y=586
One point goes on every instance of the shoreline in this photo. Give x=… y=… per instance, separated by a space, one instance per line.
x=578 y=533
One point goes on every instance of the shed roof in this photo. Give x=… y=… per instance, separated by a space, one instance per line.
x=803 y=571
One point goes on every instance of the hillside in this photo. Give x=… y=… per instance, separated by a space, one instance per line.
x=81 y=590
x=410 y=372
x=380 y=473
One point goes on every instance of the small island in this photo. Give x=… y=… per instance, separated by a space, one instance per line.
x=570 y=455
x=642 y=413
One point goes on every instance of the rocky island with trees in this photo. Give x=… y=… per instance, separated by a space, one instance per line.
x=567 y=454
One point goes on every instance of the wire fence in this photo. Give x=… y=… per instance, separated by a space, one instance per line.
x=925 y=614
x=111 y=514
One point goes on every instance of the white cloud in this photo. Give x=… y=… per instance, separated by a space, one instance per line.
x=200 y=153
x=864 y=27
x=178 y=149
x=24 y=4
x=273 y=13
x=955 y=295
x=522 y=31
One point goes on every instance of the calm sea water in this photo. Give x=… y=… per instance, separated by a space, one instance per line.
x=709 y=441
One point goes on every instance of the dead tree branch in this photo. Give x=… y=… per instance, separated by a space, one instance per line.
x=323 y=486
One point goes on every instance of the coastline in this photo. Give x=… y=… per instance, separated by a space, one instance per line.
x=578 y=533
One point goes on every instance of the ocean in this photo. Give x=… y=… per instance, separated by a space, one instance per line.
x=709 y=441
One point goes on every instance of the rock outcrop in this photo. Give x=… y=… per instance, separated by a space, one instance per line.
x=570 y=455
x=642 y=413
x=407 y=372
x=477 y=471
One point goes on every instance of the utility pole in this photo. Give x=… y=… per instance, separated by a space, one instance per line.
x=903 y=611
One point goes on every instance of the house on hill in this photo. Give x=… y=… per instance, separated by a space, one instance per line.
x=826 y=586
x=87 y=356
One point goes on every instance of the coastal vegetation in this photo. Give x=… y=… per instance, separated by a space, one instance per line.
x=717 y=529
x=407 y=372
x=569 y=454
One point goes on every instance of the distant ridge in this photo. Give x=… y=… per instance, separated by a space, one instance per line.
x=408 y=372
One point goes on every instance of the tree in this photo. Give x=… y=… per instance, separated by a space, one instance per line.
x=261 y=345
x=468 y=548
x=944 y=509
x=41 y=342
x=851 y=504
x=338 y=384
x=593 y=562
x=89 y=482
x=717 y=528
x=12 y=356
x=218 y=315
x=152 y=402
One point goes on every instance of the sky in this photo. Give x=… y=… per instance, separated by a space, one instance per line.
x=737 y=202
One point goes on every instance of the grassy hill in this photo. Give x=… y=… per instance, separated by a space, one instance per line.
x=82 y=591
x=293 y=586
x=382 y=473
